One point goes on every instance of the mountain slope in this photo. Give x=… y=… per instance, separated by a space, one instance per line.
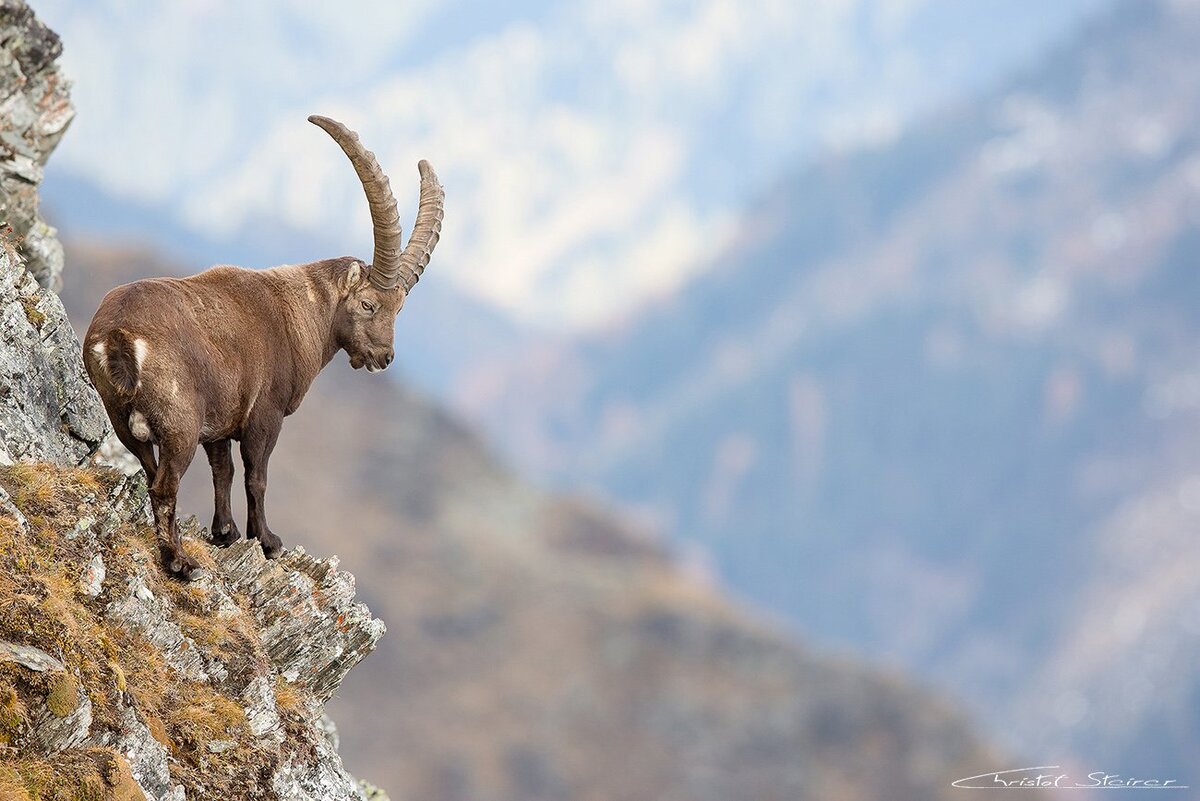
x=906 y=407
x=536 y=649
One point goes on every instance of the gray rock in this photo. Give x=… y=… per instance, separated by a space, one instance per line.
x=148 y=760
x=297 y=597
x=320 y=777
x=49 y=733
x=140 y=611
x=329 y=729
x=48 y=408
x=261 y=712
x=112 y=453
x=308 y=620
x=30 y=657
x=35 y=109
x=371 y=792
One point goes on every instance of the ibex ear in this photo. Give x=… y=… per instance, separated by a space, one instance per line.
x=351 y=278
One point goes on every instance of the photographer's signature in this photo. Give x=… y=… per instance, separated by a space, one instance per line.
x=1052 y=777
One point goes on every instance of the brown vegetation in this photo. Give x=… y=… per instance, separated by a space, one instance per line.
x=42 y=605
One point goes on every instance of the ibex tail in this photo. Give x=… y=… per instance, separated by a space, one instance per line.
x=121 y=362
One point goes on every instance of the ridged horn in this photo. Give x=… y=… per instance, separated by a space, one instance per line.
x=426 y=230
x=385 y=217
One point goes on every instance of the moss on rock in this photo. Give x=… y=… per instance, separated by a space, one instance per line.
x=64 y=696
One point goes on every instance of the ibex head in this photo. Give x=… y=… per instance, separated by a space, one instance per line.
x=373 y=294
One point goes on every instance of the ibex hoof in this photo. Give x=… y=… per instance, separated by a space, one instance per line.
x=272 y=546
x=225 y=535
x=180 y=565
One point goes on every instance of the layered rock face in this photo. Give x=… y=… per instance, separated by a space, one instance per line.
x=35 y=109
x=117 y=682
x=48 y=409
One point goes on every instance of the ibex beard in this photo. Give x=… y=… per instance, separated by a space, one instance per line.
x=227 y=354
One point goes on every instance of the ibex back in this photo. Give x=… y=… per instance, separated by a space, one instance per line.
x=227 y=354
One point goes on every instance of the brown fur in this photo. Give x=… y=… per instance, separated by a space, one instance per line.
x=225 y=355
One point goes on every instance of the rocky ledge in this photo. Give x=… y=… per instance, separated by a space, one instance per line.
x=117 y=678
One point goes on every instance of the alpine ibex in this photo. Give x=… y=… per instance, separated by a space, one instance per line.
x=227 y=354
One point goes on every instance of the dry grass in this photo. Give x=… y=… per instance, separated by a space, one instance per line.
x=12 y=786
x=52 y=490
x=41 y=605
x=288 y=697
x=12 y=713
x=93 y=774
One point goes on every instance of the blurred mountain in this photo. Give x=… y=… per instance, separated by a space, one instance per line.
x=939 y=400
x=583 y=145
x=536 y=648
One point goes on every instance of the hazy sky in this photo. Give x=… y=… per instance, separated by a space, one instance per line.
x=593 y=152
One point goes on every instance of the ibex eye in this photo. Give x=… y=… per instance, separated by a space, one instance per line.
x=368 y=305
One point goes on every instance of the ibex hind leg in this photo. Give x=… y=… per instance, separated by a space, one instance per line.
x=175 y=454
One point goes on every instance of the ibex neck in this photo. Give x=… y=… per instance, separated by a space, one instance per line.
x=309 y=300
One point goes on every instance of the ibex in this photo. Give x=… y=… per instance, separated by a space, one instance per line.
x=227 y=354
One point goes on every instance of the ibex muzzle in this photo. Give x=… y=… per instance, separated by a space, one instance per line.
x=227 y=354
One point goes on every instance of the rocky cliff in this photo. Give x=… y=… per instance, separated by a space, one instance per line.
x=48 y=410
x=117 y=682
x=35 y=109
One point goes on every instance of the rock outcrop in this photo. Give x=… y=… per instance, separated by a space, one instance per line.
x=48 y=408
x=35 y=109
x=204 y=690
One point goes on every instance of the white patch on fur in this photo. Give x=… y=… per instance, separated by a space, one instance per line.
x=140 y=350
x=174 y=389
x=249 y=408
x=101 y=351
x=308 y=290
x=139 y=427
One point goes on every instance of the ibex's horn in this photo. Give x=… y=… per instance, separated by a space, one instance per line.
x=386 y=263
x=426 y=230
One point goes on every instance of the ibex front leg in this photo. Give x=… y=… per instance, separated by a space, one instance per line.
x=257 y=445
x=224 y=530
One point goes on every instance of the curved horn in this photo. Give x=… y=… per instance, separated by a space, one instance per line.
x=426 y=230
x=385 y=217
